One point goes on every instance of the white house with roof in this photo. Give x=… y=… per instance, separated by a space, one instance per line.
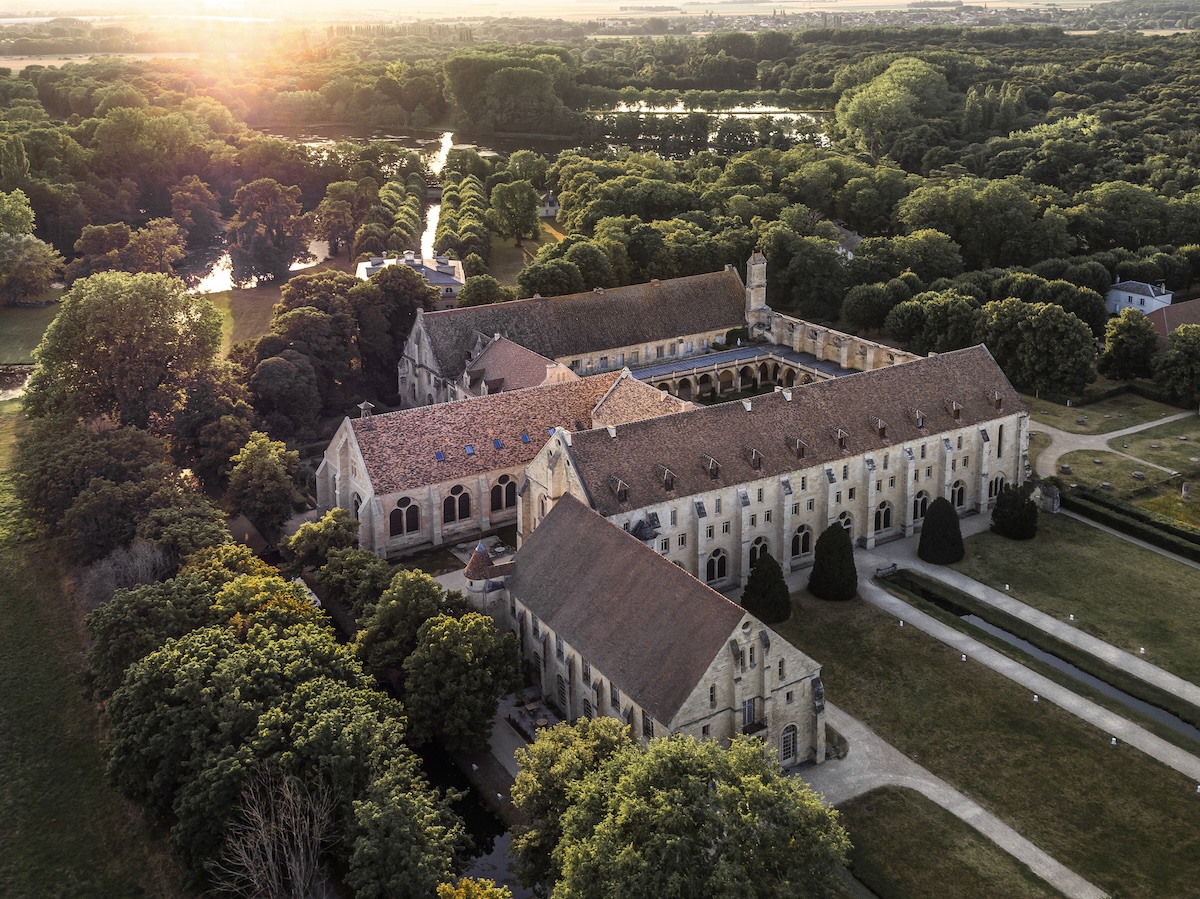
x=443 y=274
x=610 y=627
x=1139 y=295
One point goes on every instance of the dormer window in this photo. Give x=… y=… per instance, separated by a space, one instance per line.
x=755 y=459
x=955 y=409
x=880 y=427
x=920 y=416
x=797 y=446
x=713 y=467
x=667 y=476
x=841 y=438
x=997 y=400
x=620 y=488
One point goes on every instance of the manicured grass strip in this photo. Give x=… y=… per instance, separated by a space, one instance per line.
x=1172 y=504
x=908 y=847
x=21 y=330
x=1114 y=414
x=1111 y=814
x=1038 y=441
x=1065 y=651
x=1123 y=594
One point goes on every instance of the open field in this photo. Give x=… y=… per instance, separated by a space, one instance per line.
x=508 y=259
x=1174 y=445
x=1113 y=414
x=21 y=330
x=1111 y=814
x=245 y=313
x=65 y=833
x=1123 y=594
x=953 y=861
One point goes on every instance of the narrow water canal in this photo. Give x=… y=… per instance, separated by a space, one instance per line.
x=1131 y=702
x=434 y=163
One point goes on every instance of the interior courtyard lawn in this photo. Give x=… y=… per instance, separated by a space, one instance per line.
x=1112 y=414
x=1111 y=814
x=21 y=330
x=64 y=832
x=892 y=826
x=1123 y=594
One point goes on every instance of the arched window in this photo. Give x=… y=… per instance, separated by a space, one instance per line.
x=958 y=494
x=883 y=516
x=757 y=548
x=355 y=504
x=405 y=518
x=920 y=504
x=802 y=541
x=846 y=520
x=787 y=744
x=718 y=566
x=504 y=494
x=562 y=695
x=456 y=506
x=995 y=485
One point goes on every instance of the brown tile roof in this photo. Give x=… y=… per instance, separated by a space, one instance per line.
x=505 y=365
x=644 y=622
x=1168 y=318
x=730 y=434
x=479 y=566
x=628 y=401
x=585 y=322
x=400 y=448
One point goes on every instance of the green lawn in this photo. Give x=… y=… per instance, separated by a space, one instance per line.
x=1123 y=594
x=21 y=330
x=64 y=832
x=1169 y=501
x=1112 y=469
x=952 y=860
x=1113 y=414
x=1111 y=814
x=245 y=313
x=1162 y=444
x=508 y=259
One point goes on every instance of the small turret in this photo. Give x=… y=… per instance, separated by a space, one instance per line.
x=756 y=283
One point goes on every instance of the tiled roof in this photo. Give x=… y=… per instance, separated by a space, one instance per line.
x=505 y=365
x=400 y=449
x=628 y=401
x=1168 y=318
x=731 y=435
x=586 y=322
x=644 y=622
x=1140 y=288
x=479 y=566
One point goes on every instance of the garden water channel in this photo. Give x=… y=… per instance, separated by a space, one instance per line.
x=1150 y=710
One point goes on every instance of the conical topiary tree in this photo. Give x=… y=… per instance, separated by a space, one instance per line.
x=834 y=576
x=1015 y=514
x=766 y=594
x=941 y=537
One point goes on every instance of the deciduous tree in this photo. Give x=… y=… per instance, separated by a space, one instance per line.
x=1178 y=369
x=267 y=232
x=262 y=482
x=514 y=210
x=1130 y=345
x=313 y=541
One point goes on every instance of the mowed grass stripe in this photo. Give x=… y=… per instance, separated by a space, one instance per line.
x=1113 y=815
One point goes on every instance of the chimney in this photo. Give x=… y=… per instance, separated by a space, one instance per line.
x=364 y=409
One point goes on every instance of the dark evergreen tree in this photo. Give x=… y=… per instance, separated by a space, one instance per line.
x=941 y=537
x=1015 y=513
x=766 y=593
x=834 y=576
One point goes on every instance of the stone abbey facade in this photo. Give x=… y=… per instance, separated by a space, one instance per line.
x=712 y=488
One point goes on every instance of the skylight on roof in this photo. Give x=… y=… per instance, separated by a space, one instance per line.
x=524 y=438
x=440 y=456
x=497 y=444
x=550 y=431
x=470 y=450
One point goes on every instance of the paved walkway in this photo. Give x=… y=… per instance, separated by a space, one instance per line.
x=904 y=554
x=1063 y=442
x=872 y=762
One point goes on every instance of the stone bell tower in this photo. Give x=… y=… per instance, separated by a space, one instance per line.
x=756 y=285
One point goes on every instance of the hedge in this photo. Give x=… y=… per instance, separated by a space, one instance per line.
x=1144 y=516
x=1128 y=525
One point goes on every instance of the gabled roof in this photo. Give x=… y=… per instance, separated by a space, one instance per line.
x=400 y=449
x=586 y=322
x=1140 y=288
x=505 y=365
x=852 y=409
x=644 y=622
x=1167 y=318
